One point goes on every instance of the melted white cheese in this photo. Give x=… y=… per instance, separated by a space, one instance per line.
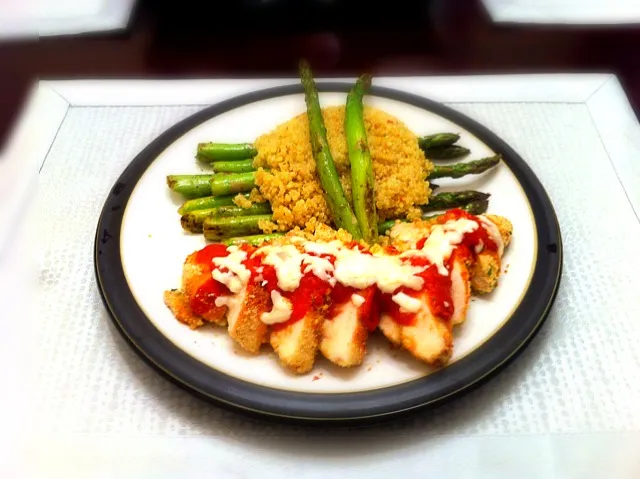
x=357 y=300
x=321 y=267
x=332 y=247
x=286 y=261
x=280 y=312
x=407 y=303
x=352 y=267
x=409 y=233
x=444 y=239
x=237 y=275
x=234 y=303
x=479 y=247
x=360 y=271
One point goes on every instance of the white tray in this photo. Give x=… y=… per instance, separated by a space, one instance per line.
x=45 y=18
x=565 y=12
x=82 y=404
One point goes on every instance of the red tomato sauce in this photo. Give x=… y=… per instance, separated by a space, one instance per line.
x=472 y=239
x=205 y=298
x=313 y=292
x=205 y=255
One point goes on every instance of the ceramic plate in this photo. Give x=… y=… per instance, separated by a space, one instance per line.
x=140 y=249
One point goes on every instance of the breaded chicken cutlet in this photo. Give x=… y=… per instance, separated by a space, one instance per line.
x=303 y=296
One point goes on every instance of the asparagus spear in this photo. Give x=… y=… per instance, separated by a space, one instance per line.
x=254 y=209
x=230 y=183
x=439 y=139
x=216 y=229
x=443 y=201
x=221 y=184
x=475 y=208
x=194 y=220
x=208 y=202
x=254 y=240
x=213 y=152
x=339 y=207
x=209 y=152
x=458 y=170
x=190 y=186
x=362 y=180
x=446 y=152
x=478 y=207
x=236 y=166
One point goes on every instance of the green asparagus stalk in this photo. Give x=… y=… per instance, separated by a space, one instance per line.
x=458 y=170
x=194 y=220
x=438 y=140
x=341 y=212
x=190 y=186
x=207 y=202
x=443 y=201
x=237 y=166
x=197 y=187
x=362 y=179
x=231 y=183
x=254 y=209
x=254 y=240
x=446 y=152
x=478 y=207
x=216 y=229
x=209 y=152
x=475 y=208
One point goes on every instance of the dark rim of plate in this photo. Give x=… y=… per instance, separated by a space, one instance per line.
x=364 y=407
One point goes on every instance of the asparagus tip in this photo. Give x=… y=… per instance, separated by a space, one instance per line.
x=365 y=80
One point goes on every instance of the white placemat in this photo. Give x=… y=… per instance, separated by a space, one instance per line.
x=594 y=12
x=568 y=407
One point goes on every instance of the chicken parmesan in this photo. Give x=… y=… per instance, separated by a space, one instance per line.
x=305 y=296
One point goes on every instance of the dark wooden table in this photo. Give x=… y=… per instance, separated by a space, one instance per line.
x=188 y=40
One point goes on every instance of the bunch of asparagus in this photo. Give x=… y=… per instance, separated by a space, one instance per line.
x=209 y=208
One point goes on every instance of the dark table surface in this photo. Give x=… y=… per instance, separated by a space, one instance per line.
x=190 y=39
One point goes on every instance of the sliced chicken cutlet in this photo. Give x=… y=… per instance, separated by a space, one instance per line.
x=296 y=344
x=244 y=317
x=485 y=270
x=194 y=276
x=178 y=304
x=390 y=329
x=504 y=227
x=344 y=333
x=460 y=288
x=429 y=338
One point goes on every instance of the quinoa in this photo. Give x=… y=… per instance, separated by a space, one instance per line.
x=254 y=197
x=241 y=201
x=292 y=184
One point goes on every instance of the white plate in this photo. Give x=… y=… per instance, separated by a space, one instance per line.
x=152 y=245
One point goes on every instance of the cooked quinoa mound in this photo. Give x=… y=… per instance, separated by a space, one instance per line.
x=293 y=187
